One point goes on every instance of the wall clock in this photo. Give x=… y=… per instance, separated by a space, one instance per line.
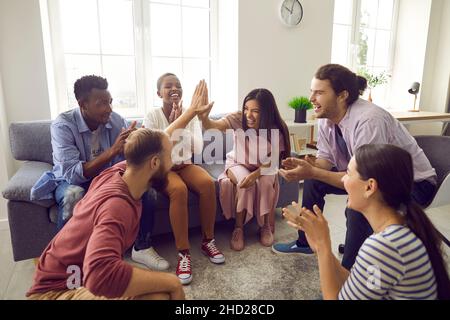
x=291 y=12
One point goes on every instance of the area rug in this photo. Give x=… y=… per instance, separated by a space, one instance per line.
x=256 y=273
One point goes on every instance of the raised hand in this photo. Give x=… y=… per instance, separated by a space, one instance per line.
x=117 y=147
x=203 y=112
x=313 y=224
x=199 y=102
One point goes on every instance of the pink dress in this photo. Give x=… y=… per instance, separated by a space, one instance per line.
x=261 y=198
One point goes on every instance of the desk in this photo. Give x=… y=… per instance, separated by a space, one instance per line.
x=309 y=124
x=406 y=117
x=291 y=124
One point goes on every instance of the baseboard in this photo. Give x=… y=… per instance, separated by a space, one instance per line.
x=4 y=224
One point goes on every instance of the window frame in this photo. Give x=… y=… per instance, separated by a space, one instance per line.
x=354 y=39
x=145 y=89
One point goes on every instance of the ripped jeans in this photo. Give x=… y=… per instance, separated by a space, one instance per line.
x=67 y=196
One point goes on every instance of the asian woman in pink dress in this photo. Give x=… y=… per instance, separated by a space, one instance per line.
x=249 y=185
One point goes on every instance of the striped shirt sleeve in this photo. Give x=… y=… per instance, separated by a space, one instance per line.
x=378 y=267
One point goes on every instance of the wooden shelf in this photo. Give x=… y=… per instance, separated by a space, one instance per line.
x=292 y=124
x=304 y=152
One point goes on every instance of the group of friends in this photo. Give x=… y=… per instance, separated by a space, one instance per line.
x=106 y=173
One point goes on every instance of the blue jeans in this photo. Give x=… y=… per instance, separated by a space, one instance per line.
x=358 y=228
x=67 y=196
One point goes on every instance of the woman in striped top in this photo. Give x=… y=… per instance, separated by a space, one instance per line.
x=403 y=258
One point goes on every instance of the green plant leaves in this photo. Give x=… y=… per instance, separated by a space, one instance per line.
x=298 y=103
x=374 y=79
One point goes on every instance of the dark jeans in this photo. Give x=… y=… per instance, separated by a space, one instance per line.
x=68 y=195
x=144 y=237
x=358 y=228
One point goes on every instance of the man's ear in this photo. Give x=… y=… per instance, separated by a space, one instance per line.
x=159 y=94
x=82 y=103
x=155 y=162
x=345 y=95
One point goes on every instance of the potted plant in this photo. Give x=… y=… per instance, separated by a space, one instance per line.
x=300 y=105
x=373 y=79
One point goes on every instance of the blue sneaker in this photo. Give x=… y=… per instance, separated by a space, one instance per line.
x=291 y=247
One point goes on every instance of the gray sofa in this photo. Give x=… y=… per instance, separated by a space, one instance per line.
x=33 y=223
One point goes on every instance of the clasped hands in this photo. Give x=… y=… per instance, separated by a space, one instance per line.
x=294 y=169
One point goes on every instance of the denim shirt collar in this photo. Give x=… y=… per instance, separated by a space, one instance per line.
x=81 y=124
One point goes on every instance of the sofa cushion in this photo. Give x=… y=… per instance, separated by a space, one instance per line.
x=31 y=141
x=19 y=186
x=214 y=170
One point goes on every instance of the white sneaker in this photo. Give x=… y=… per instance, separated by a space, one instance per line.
x=150 y=258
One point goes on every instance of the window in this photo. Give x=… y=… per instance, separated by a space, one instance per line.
x=131 y=43
x=363 y=37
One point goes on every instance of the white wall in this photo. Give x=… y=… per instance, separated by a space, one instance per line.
x=22 y=61
x=436 y=77
x=23 y=78
x=410 y=49
x=279 y=58
x=6 y=167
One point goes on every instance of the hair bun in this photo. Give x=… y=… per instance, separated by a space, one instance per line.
x=361 y=84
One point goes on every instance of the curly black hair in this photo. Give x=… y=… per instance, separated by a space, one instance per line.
x=83 y=86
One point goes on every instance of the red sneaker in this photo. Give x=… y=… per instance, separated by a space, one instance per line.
x=210 y=250
x=184 y=271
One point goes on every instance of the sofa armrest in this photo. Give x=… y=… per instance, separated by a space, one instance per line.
x=19 y=186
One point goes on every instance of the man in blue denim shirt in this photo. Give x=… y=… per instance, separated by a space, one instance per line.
x=85 y=141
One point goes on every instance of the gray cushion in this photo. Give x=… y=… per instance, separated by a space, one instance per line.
x=214 y=170
x=31 y=140
x=437 y=150
x=19 y=186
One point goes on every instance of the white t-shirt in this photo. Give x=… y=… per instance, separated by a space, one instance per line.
x=96 y=148
x=190 y=139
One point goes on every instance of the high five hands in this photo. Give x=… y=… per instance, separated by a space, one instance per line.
x=200 y=102
x=204 y=107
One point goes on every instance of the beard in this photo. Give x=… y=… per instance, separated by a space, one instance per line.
x=159 y=181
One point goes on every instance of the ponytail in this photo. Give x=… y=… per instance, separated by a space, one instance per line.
x=392 y=168
x=421 y=226
x=361 y=84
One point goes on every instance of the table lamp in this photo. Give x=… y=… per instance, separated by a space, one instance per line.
x=414 y=89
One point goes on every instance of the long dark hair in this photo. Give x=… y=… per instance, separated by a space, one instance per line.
x=342 y=79
x=392 y=168
x=270 y=117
